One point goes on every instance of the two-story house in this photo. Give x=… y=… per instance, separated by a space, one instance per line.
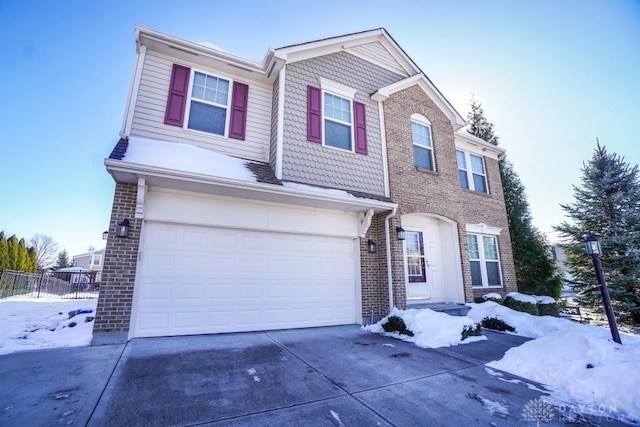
x=321 y=186
x=91 y=260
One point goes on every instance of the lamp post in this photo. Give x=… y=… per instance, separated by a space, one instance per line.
x=592 y=244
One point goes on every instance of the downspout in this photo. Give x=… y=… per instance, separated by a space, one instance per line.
x=389 y=272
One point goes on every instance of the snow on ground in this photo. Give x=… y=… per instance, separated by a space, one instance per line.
x=431 y=329
x=32 y=324
x=580 y=364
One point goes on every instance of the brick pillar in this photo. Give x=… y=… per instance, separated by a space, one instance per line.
x=113 y=314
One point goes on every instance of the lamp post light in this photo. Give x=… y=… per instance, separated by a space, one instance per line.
x=592 y=245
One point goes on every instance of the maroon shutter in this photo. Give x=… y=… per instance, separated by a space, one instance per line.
x=359 y=119
x=314 y=114
x=174 y=114
x=239 y=101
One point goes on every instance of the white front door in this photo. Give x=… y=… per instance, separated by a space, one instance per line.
x=423 y=263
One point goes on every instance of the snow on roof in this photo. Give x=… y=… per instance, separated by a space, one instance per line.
x=186 y=158
x=74 y=270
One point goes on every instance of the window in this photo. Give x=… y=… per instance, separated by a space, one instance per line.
x=208 y=106
x=96 y=260
x=206 y=103
x=337 y=121
x=422 y=146
x=473 y=177
x=416 y=260
x=484 y=261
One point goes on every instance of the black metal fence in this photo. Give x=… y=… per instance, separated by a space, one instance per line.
x=59 y=284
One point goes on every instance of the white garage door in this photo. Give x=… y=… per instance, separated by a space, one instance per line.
x=198 y=280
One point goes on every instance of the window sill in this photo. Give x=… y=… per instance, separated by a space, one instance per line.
x=487 y=287
x=429 y=171
x=466 y=190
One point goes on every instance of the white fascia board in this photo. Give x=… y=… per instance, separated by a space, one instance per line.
x=425 y=84
x=471 y=143
x=324 y=46
x=304 y=51
x=146 y=36
x=117 y=169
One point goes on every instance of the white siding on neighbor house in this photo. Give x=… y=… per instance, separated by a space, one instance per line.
x=376 y=51
x=148 y=117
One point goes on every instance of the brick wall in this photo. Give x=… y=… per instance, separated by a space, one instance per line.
x=118 y=275
x=438 y=192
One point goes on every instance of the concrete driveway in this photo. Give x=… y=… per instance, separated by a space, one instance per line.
x=336 y=376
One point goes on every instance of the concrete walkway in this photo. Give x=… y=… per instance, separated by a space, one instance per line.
x=337 y=376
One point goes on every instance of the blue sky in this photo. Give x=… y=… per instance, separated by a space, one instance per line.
x=551 y=75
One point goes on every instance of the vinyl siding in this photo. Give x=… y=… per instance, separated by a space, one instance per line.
x=377 y=52
x=312 y=163
x=148 y=117
x=274 y=123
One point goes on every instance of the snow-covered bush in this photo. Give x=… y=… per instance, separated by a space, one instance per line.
x=471 y=331
x=521 y=302
x=547 y=306
x=495 y=297
x=497 y=324
x=396 y=324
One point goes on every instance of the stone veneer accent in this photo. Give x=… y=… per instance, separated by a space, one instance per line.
x=422 y=191
x=113 y=314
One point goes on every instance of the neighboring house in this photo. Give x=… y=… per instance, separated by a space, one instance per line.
x=254 y=191
x=92 y=260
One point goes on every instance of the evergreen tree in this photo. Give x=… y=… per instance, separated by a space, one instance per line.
x=607 y=204
x=62 y=260
x=479 y=125
x=536 y=273
x=4 y=252
x=14 y=253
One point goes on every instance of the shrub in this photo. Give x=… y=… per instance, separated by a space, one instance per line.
x=521 y=302
x=471 y=331
x=489 y=297
x=396 y=324
x=547 y=306
x=496 y=324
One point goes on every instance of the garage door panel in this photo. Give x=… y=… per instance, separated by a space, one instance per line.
x=195 y=280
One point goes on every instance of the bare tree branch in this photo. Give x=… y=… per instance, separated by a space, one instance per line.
x=46 y=249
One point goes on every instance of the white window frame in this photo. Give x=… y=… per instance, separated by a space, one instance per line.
x=483 y=261
x=190 y=99
x=423 y=121
x=470 y=173
x=95 y=257
x=344 y=92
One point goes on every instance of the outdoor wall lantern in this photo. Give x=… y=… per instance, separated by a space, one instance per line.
x=123 y=228
x=592 y=245
x=400 y=232
x=105 y=235
x=372 y=246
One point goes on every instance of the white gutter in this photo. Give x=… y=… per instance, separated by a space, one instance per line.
x=133 y=91
x=383 y=138
x=280 y=124
x=389 y=272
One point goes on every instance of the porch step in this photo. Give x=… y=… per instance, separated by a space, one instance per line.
x=451 y=308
